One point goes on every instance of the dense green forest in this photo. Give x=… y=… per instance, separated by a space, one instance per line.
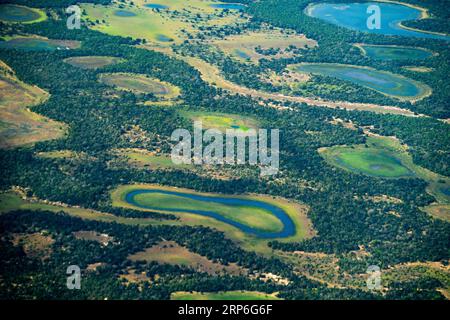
x=98 y=122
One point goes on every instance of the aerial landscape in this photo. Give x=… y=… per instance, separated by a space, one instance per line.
x=225 y=150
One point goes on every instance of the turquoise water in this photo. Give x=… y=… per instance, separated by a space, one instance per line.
x=13 y=13
x=354 y=16
x=156 y=6
x=163 y=38
x=229 y=6
x=30 y=44
x=288 y=224
x=395 y=53
x=241 y=54
x=387 y=83
x=124 y=13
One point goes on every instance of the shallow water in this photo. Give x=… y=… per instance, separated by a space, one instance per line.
x=229 y=6
x=13 y=13
x=387 y=83
x=288 y=224
x=156 y=6
x=354 y=16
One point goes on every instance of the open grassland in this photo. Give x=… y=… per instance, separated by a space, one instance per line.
x=18 y=125
x=92 y=62
x=391 y=52
x=35 y=245
x=222 y=121
x=413 y=270
x=11 y=201
x=274 y=43
x=169 y=252
x=66 y=155
x=140 y=84
x=250 y=216
x=11 y=13
x=223 y=295
x=295 y=211
x=440 y=211
x=103 y=239
x=174 y=22
x=419 y=69
x=143 y=159
x=370 y=161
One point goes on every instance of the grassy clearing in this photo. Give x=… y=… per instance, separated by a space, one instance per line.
x=92 y=62
x=392 y=52
x=177 y=22
x=419 y=69
x=35 y=245
x=103 y=239
x=224 y=295
x=297 y=213
x=276 y=43
x=140 y=84
x=413 y=270
x=169 y=252
x=143 y=159
x=66 y=155
x=438 y=185
x=19 y=125
x=11 y=13
x=222 y=121
x=439 y=211
x=250 y=216
x=11 y=201
x=369 y=160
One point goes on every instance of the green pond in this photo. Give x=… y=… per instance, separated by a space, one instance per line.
x=32 y=44
x=395 y=53
x=14 y=13
x=384 y=82
x=369 y=161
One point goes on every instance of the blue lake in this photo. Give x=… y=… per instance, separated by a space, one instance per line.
x=31 y=44
x=124 y=13
x=288 y=225
x=384 y=82
x=395 y=52
x=229 y=6
x=163 y=38
x=156 y=6
x=354 y=16
x=241 y=54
